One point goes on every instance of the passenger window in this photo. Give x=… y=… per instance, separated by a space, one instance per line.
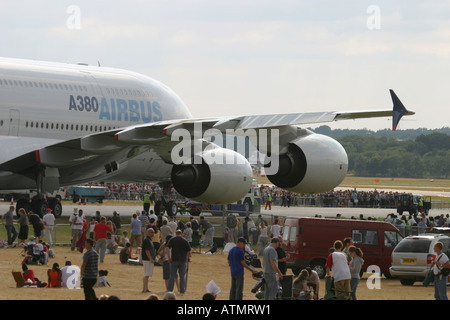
x=285 y=233
x=369 y=237
x=293 y=234
x=391 y=239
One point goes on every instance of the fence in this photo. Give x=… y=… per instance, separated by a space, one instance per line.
x=62 y=232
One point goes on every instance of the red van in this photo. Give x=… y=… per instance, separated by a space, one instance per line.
x=307 y=241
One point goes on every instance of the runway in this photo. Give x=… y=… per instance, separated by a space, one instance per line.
x=128 y=210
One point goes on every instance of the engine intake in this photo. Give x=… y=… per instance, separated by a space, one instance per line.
x=214 y=182
x=312 y=164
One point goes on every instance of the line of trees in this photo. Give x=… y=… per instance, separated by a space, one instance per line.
x=427 y=156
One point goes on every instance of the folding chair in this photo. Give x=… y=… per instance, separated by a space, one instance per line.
x=18 y=278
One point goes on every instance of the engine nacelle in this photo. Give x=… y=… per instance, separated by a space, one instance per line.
x=314 y=163
x=223 y=177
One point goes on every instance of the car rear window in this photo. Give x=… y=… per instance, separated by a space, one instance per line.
x=413 y=245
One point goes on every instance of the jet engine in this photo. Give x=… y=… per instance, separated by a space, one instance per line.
x=222 y=176
x=312 y=164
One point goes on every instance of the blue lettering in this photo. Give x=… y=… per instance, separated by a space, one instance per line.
x=72 y=104
x=122 y=110
x=157 y=111
x=81 y=101
x=113 y=110
x=146 y=117
x=133 y=106
x=104 y=110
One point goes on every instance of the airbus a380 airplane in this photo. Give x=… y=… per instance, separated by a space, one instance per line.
x=65 y=124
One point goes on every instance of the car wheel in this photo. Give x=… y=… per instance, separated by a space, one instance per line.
x=319 y=267
x=407 y=282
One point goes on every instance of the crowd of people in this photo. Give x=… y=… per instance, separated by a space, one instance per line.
x=343 y=268
x=416 y=224
x=273 y=195
x=270 y=195
x=157 y=240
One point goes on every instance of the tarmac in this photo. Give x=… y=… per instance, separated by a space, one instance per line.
x=300 y=211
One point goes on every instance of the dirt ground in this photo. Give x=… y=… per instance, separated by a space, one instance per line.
x=126 y=280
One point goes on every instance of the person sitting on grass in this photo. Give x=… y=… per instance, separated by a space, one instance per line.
x=54 y=276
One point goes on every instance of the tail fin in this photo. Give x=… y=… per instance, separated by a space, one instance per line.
x=398 y=111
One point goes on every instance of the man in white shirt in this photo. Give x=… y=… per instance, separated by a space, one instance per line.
x=440 y=280
x=275 y=229
x=76 y=221
x=49 y=223
x=173 y=225
x=338 y=264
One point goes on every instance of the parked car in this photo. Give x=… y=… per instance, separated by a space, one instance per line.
x=413 y=257
x=307 y=240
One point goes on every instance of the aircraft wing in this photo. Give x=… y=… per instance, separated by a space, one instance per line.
x=112 y=147
x=146 y=133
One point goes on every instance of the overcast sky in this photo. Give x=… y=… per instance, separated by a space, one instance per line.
x=255 y=56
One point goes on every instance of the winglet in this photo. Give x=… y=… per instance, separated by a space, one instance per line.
x=398 y=111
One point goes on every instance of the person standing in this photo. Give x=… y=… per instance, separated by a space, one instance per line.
x=208 y=230
x=356 y=264
x=148 y=258
x=282 y=258
x=187 y=233
x=179 y=253
x=135 y=231
x=38 y=225
x=76 y=221
x=23 y=226
x=118 y=225
x=338 y=265
x=89 y=270
x=245 y=229
x=143 y=217
x=263 y=237
x=270 y=269
x=173 y=225
x=101 y=230
x=236 y=262
x=440 y=280
x=146 y=202
x=275 y=229
x=7 y=220
x=165 y=230
x=269 y=201
x=347 y=243
x=49 y=224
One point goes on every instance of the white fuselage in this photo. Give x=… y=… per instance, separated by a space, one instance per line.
x=42 y=103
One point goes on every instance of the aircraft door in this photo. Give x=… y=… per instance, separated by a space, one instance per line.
x=14 y=117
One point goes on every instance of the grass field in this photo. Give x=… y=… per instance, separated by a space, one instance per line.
x=416 y=185
x=126 y=280
x=400 y=183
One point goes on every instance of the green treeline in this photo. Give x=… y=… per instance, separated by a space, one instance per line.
x=427 y=156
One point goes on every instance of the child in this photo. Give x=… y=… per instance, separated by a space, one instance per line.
x=91 y=228
x=102 y=279
x=125 y=238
